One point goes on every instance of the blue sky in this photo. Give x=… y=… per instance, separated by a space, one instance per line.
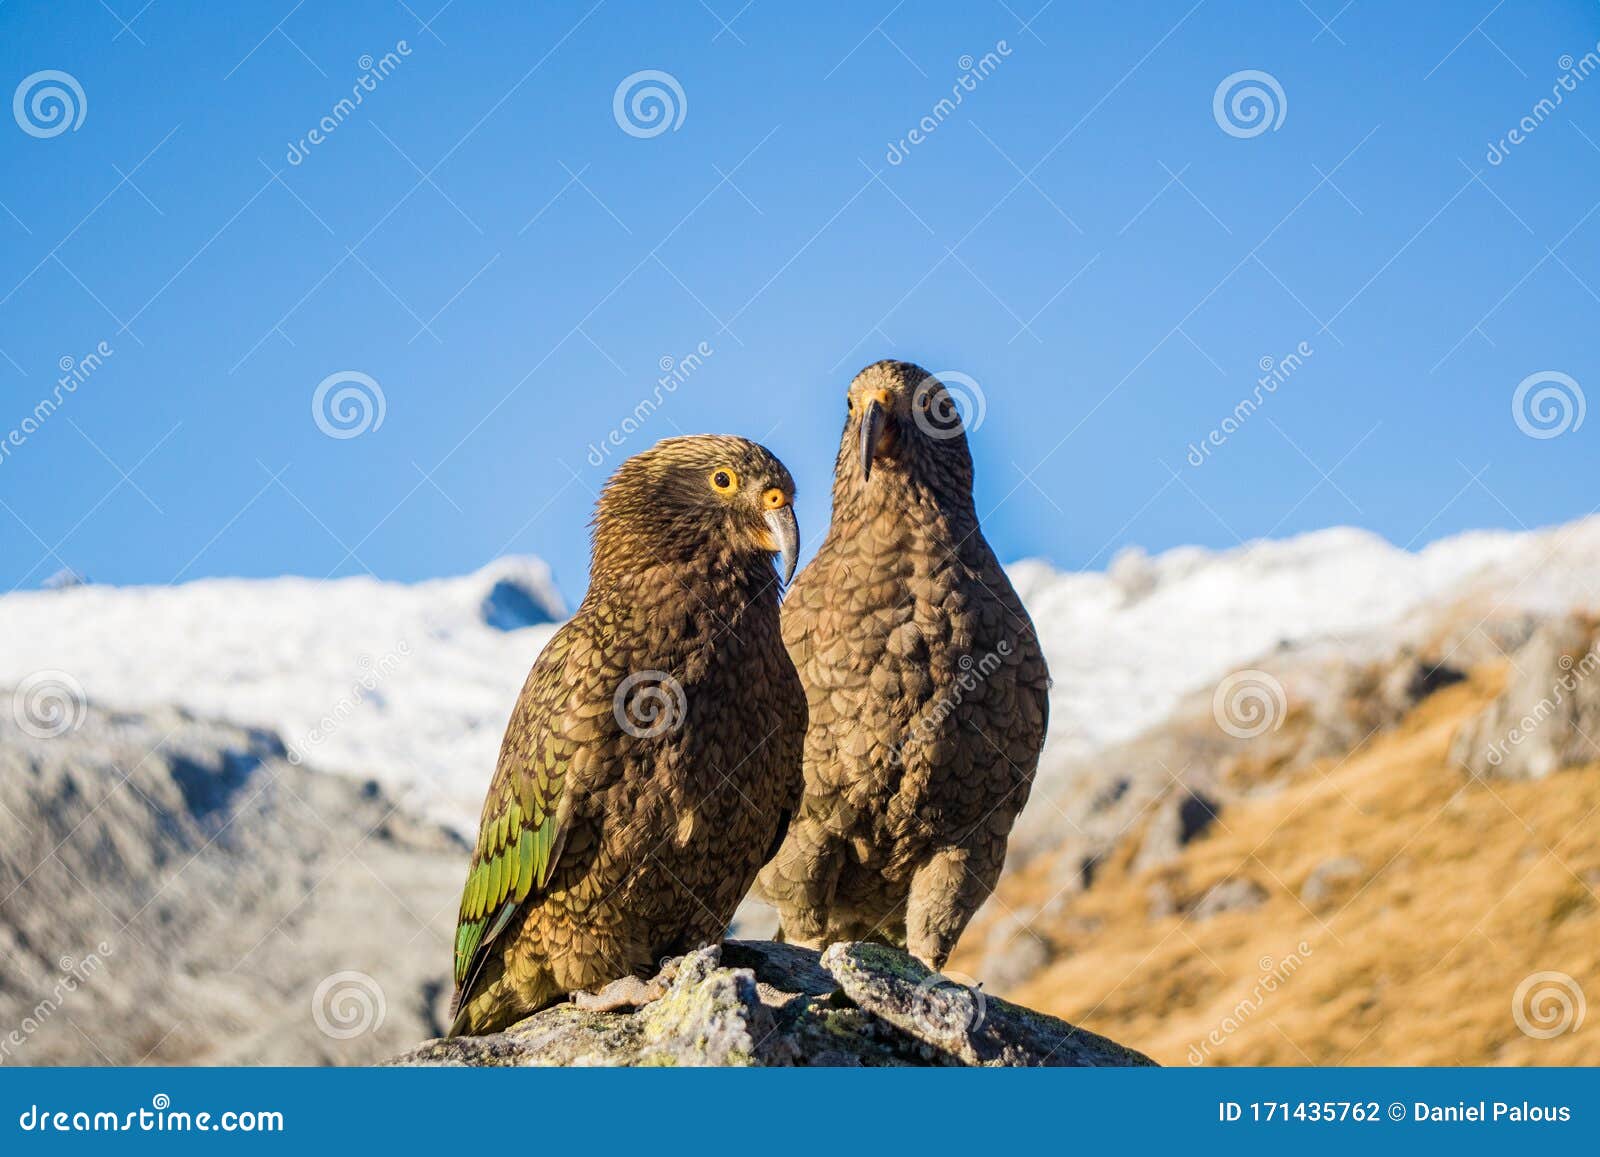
x=1080 y=237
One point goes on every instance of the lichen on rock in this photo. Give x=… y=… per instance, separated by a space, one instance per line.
x=756 y=1003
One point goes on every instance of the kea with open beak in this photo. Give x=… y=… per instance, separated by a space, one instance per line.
x=927 y=689
x=652 y=763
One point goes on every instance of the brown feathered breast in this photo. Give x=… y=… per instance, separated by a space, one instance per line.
x=925 y=683
x=654 y=755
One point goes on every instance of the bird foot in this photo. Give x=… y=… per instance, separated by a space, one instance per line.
x=627 y=992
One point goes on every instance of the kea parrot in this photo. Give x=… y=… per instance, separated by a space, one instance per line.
x=926 y=686
x=652 y=761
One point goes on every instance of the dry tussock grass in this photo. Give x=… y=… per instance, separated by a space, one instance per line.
x=1464 y=889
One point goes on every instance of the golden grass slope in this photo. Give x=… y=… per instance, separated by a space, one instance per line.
x=1454 y=892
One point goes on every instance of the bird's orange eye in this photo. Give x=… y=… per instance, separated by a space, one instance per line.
x=724 y=481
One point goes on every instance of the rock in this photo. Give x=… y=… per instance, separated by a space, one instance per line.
x=174 y=891
x=1180 y=818
x=1236 y=895
x=510 y=606
x=1329 y=879
x=710 y=1016
x=755 y=919
x=1013 y=952
x=1544 y=719
x=963 y=1022
x=64 y=580
x=757 y=1003
x=783 y=969
x=1412 y=679
x=1161 y=901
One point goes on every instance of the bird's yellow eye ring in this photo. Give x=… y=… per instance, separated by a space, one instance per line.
x=725 y=480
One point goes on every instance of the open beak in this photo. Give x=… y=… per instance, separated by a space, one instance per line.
x=872 y=419
x=786 y=535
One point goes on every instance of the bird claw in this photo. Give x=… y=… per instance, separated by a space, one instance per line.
x=626 y=992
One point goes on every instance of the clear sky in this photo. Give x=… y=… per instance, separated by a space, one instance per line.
x=1104 y=250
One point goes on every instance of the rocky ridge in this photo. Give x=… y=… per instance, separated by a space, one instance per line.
x=757 y=1003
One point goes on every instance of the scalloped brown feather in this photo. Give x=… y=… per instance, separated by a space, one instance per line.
x=648 y=841
x=927 y=692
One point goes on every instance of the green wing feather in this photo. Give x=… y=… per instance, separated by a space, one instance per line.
x=521 y=833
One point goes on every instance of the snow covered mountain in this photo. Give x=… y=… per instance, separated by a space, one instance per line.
x=412 y=684
x=1126 y=644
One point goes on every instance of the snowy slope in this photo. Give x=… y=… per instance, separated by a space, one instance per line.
x=412 y=684
x=1125 y=645
x=408 y=684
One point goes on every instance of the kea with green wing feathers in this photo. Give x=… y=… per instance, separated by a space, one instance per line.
x=652 y=762
x=925 y=683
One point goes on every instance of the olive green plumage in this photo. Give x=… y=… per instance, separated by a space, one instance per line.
x=653 y=758
x=927 y=689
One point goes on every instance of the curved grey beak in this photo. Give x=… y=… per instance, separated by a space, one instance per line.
x=786 y=533
x=871 y=430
